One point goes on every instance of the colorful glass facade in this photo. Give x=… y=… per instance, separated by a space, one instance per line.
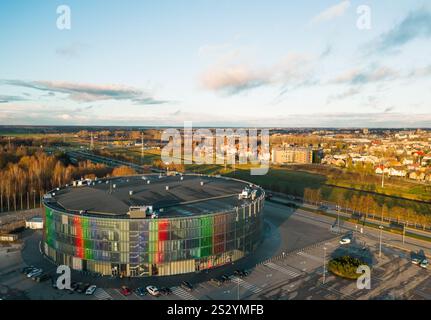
x=147 y=247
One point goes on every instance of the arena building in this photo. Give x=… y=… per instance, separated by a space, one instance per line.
x=152 y=225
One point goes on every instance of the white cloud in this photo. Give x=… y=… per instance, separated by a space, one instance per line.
x=232 y=77
x=359 y=77
x=331 y=13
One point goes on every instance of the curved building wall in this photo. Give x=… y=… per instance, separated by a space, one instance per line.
x=148 y=247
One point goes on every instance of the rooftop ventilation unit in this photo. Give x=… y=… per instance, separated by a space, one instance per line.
x=245 y=194
x=140 y=211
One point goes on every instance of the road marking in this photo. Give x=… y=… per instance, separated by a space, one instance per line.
x=246 y=285
x=183 y=293
x=284 y=270
x=310 y=256
x=101 y=294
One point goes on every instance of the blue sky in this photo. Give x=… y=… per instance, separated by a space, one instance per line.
x=229 y=63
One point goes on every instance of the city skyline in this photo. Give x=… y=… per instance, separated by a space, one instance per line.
x=216 y=63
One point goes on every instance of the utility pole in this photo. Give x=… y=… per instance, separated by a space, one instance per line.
x=404 y=233
x=92 y=142
x=380 y=242
x=238 y=289
x=142 y=145
x=324 y=265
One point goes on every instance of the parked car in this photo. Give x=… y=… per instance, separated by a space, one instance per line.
x=54 y=282
x=416 y=261
x=345 y=241
x=90 y=290
x=37 y=275
x=125 y=291
x=153 y=291
x=141 y=292
x=424 y=264
x=186 y=286
x=27 y=270
x=80 y=287
x=74 y=286
x=225 y=278
x=165 y=291
x=43 y=277
x=34 y=272
x=240 y=273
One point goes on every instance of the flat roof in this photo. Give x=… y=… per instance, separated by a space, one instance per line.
x=187 y=197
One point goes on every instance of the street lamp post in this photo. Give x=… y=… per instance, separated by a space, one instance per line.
x=380 y=241
x=404 y=233
x=324 y=265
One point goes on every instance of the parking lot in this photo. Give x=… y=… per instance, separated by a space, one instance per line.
x=288 y=265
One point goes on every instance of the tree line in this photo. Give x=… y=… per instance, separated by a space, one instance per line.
x=26 y=175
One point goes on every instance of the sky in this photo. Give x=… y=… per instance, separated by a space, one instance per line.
x=272 y=63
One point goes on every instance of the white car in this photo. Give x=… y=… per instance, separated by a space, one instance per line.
x=153 y=291
x=416 y=261
x=90 y=290
x=424 y=264
x=345 y=241
x=34 y=272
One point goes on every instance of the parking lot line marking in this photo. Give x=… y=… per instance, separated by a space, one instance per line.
x=101 y=294
x=281 y=269
x=310 y=256
x=253 y=288
x=183 y=294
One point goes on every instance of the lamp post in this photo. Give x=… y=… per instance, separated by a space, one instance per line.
x=404 y=233
x=380 y=241
x=324 y=265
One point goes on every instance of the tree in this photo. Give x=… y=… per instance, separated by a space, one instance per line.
x=123 y=171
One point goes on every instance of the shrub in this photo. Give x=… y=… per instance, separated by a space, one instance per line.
x=345 y=267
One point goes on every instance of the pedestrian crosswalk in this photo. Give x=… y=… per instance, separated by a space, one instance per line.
x=284 y=270
x=310 y=256
x=182 y=293
x=246 y=285
x=101 y=294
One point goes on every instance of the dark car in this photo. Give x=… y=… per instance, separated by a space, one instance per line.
x=54 y=282
x=141 y=292
x=27 y=270
x=225 y=278
x=43 y=277
x=81 y=287
x=74 y=286
x=268 y=196
x=241 y=273
x=186 y=286
x=238 y=273
x=165 y=291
